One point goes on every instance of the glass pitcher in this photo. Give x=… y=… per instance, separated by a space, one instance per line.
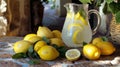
x=76 y=29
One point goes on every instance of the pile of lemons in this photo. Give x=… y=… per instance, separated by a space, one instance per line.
x=97 y=48
x=45 y=51
x=92 y=51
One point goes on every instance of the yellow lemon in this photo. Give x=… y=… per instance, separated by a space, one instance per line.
x=28 y=36
x=56 y=33
x=106 y=48
x=97 y=40
x=21 y=46
x=77 y=36
x=91 y=52
x=57 y=41
x=48 y=53
x=44 y=32
x=39 y=44
x=79 y=17
x=73 y=54
x=34 y=39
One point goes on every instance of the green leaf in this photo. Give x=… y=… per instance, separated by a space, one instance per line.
x=31 y=53
x=104 y=38
x=117 y=16
x=19 y=55
x=31 y=50
x=62 y=50
x=109 y=1
x=114 y=7
x=85 y=1
x=84 y=43
x=98 y=2
x=34 y=62
x=106 y=9
x=46 y=40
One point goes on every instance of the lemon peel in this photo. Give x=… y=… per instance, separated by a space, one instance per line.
x=26 y=37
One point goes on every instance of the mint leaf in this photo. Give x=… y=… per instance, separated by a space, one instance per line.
x=84 y=43
x=32 y=62
x=106 y=9
x=109 y=1
x=104 y=38
x=117 y=16
x=19 y=55
x=85 y=1
x=46 y=40
x=98 y=2
x=114 y=7
x=31 y=50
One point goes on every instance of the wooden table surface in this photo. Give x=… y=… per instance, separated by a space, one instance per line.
x=6 y=51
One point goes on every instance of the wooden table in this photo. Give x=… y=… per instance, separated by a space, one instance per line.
x=6 y=51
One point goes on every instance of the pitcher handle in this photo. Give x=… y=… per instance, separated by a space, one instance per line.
x=98 y=22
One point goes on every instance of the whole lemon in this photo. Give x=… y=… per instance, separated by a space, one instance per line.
x=97 y=40
x=44 y=32
x=57 y=41
x=29 y=36
x=34 y=39
x=91 y=52
x=56 y=33
x=48 y=53
x=21 y=46
x=39 y=44
x=106 y=47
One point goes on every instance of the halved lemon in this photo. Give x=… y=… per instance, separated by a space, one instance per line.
x=77 y=36
x=73 y=54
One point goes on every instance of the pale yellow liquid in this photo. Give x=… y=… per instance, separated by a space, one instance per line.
x=84 y=36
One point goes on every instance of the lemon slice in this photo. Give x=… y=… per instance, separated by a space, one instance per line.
x=74 y=25
x=79 y=17
x=73 y=54
x=77 y=37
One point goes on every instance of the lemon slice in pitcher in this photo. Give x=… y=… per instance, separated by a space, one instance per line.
x=70 y=26
x=77 y=37
x=79 y=17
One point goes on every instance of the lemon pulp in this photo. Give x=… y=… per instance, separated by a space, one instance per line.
x=72 y=54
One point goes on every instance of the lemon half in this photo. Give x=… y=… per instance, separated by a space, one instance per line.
x=73 y=54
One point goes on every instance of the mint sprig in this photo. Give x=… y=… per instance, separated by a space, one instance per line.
x=85 y=1
x=117 y=16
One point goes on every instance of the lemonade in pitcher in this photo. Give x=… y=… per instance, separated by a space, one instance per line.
x=76 y=29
